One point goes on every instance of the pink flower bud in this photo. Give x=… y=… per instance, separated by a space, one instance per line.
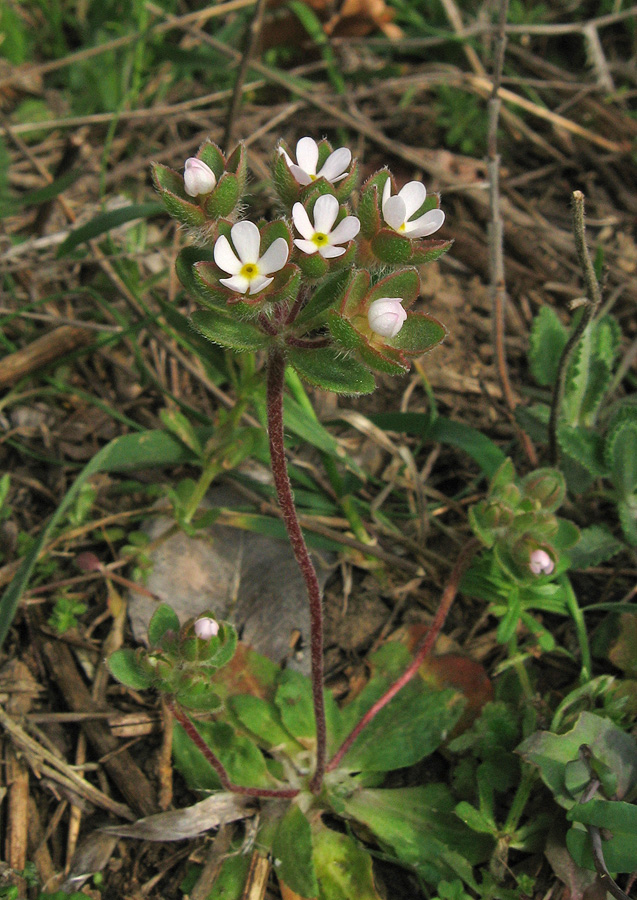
x=198 y=177
x=540 y=563
x=386 y=316
x=206 y=628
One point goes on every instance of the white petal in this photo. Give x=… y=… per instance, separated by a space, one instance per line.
x=257 y=284
x=328 y=252
x=386 y=193
x=286 y=156
x=335 y=164
x=275 y=257
x=325 y=213
x=414 y=194
x=345 y=230
x=198 y=177
x=394 y=212
x=308 y=247
x=427 y=224
x=386 y=316
x=307 y=154
x=302 y=221
x=225 y=257
x=238 y=283
x=300 y=174
x=247 y=240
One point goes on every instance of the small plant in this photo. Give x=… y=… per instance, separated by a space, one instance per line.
x=66 y=610
x=330 y=294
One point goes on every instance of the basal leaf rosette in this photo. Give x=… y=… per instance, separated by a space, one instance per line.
x=255 y=251
x=396 y=225
x=209 y=189
x=374 y=339
x=312 y=164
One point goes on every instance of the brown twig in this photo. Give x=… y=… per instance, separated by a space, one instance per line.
x=593 y=300
x=496 y=230
x=237 y=94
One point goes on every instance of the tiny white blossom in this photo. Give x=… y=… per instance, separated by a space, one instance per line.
x=319 y=237
x=249 y=271
x=398 y=210
x=206 y=628
x=307 y=153
x=198 y=177
x=386 y=316
x=541 y=563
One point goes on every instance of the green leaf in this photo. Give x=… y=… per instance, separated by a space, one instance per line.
x=223 y=329
x=476 y=820
x=263 y=721
x=328 y=369
x=324 y=297
x=596 y=545
x=608 y=743
x=294 y=701
x=417 y=718
x=242 y=760
x=390 y=247
x=229 y=884
x=404 y=284
x=125 y=666
x=221 y=202
x=344 y=332
x=620 y=452
x=343 y=868
x=199 y=696
x=546 y=345
x=627 y=510
x=163 y=619
x=419 y=334
x=292 y=854
x=618 y=818
x=106 y=222
x=420 y=825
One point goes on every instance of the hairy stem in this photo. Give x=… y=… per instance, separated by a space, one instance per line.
x=216 y=763
x=276 y=380
x=462 y=562
x=593 y=300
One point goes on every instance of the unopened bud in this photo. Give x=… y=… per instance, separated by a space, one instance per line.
x=386 y=316
x=540 y=563
x=198 y=177
x=206 y=628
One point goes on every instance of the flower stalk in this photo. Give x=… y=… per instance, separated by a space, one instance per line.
x=275 y=384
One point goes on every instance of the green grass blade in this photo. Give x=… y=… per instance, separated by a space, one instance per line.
x=106 y=222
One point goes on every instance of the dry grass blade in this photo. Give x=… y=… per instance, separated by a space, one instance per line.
x=179 y=824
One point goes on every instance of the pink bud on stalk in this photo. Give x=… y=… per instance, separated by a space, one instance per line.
x=198 y=177
x=386 y=316
x=540 y=563
x=206 y=628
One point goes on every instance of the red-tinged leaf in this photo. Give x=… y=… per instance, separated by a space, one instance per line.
x=390 y=247
x=212 y=156
x=247 y=673
x=384 y=359
x=344 y=332
x=404 y=284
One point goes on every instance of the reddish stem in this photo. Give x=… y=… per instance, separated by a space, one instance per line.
x=276 y=374
x=464 y=558
x=216 y=763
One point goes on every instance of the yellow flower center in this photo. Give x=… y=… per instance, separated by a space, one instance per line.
x=249 y=271
x=402 y=227
x=320 y=239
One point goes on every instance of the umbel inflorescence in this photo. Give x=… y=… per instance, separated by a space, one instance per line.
x=329 y=286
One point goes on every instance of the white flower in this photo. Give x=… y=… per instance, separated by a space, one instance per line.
x=398 y=210
x=206 y=628
x=386 y=316
x=198 y=177
x=541 y=563
x=307 y=153
x=249 y=270
x=319 y=236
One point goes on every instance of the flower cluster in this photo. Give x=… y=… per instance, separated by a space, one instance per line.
x=517 y=520
x=309 y=283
